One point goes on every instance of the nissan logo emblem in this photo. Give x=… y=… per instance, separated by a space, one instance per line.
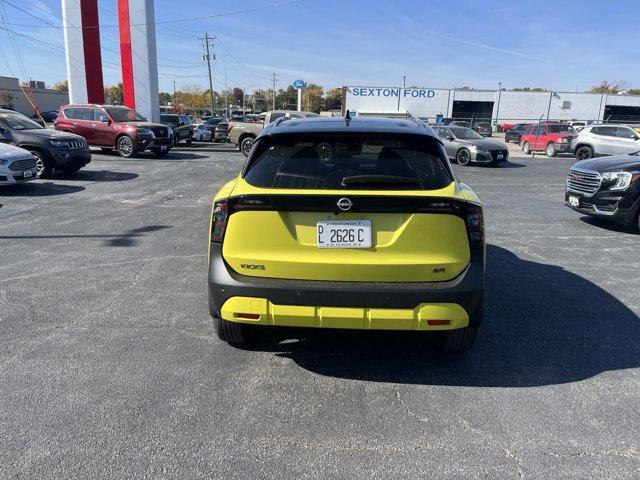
x=345 y=204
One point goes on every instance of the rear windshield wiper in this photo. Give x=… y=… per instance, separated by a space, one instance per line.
x=635 y=153
x=379 y=179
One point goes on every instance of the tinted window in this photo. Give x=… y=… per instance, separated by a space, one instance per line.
x=170 y=119
x=213 y=121
x=84 y=114
x=275 y=116
x=98 y=113
x=560 y=129
x=17 y=121
x=624 y=132
x=444 y=133
x=185 y=119
x=605 y=131
x=120 y=114
x=465 y=133
x=349 y=161
x=71 y=112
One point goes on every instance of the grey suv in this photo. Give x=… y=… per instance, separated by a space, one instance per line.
x=596 y=140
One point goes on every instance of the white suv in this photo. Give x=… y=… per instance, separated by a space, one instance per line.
x=594 y=140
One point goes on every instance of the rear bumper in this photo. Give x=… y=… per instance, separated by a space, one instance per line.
x=465 y=291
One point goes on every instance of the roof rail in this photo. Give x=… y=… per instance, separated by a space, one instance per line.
x=417 y=120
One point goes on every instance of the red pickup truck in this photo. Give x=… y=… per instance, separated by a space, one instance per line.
x=550 y=138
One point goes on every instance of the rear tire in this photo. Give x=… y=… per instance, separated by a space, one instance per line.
x=463 y=157
x=526 y=148
x=550 y=151
x=457 y=341
x=245 y=145
x=584 y=153
x=232 y=332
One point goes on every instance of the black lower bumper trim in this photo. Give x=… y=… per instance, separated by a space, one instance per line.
x=466 y=290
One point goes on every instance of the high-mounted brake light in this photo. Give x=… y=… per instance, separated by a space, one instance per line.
x=475 y=225
x=219 y=221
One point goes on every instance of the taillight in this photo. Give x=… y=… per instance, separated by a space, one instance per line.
x=475 y=225
x=219 y=221
x=223 y=209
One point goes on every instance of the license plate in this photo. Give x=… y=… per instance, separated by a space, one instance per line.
x=344 y=234
x=500 y=156
x=27 y=174
x=574 y=201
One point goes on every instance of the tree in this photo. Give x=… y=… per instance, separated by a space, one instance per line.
x=165 y=98
x=633 y=91
x=237 y=93
x=6 y=99
x=610 y=88
x=529 y=89
x=312 y=98
x=192 y=97
x=62 y=86
x=114 y=92
x=332 y=99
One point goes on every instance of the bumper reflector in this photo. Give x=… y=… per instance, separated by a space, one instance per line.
x=438 y=322
x=248 y=316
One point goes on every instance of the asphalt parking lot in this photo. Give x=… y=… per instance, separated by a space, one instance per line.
x=109 y=366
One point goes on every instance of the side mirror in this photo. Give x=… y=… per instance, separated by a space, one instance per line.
x=105 y=119
x=450 y=138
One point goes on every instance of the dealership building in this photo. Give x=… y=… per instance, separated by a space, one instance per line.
x=14 y=97
x=499 y=106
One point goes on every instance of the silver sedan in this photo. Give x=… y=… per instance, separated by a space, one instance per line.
x=201 y=133
x=465 y=146
x=17 y=165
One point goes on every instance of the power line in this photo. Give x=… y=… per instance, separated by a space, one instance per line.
x=182 y=20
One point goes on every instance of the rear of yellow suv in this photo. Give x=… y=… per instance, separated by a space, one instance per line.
x=347 y=224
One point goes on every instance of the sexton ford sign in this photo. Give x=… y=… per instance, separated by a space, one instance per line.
x=420 y=102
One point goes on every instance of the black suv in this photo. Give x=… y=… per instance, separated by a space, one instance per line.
x=606 y=188
x=514 y=133
x=53 y=150
x=181 y=125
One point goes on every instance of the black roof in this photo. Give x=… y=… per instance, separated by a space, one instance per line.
x=358 y=125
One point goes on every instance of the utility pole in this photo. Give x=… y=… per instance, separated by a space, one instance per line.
x=174 y=88
x=498 y=105
x=208 y=57
x=274 y=78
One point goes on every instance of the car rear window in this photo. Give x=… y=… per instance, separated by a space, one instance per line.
x=349 y=161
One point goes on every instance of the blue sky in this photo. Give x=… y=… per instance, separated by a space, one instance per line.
x=562 y=45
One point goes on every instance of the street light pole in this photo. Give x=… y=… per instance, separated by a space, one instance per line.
x=274 y=77
x=498 y=105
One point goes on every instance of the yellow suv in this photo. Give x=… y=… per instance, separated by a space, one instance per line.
x=347 y=223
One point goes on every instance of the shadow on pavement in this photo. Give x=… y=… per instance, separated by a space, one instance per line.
x=610 y=225
x=38 y=189
x=97 y=176
x=543 y=325
x=130 y=238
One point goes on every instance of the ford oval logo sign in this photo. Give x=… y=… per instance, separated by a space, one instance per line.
x=345 y=204
x=299 y=84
